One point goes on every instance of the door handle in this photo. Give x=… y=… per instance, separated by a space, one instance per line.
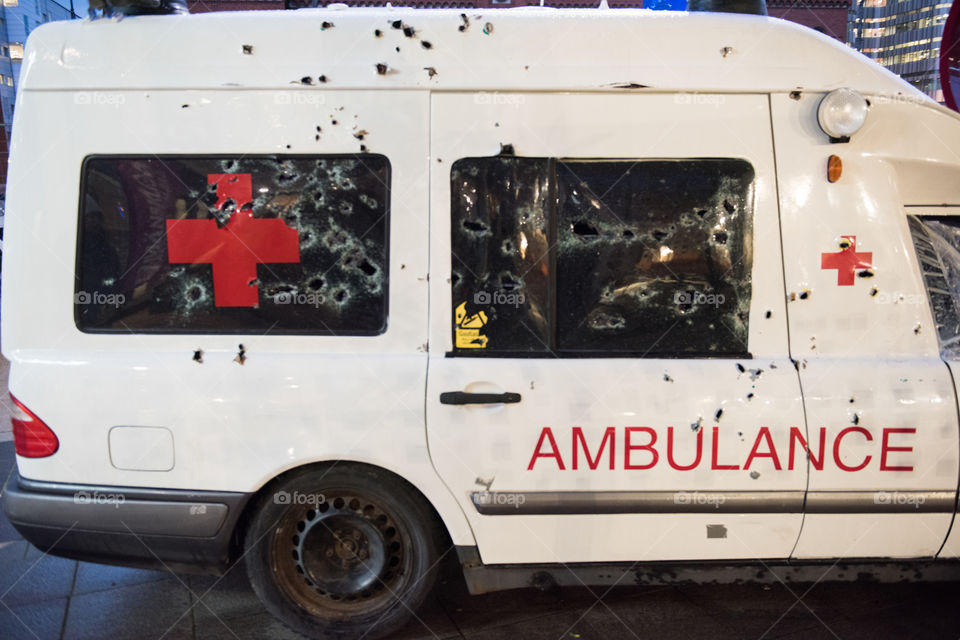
x=462 y=397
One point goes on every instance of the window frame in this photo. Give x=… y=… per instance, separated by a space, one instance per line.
x=552 y=221
x=318 y=331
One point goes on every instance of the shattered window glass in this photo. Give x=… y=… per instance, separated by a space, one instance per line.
x=638 y=257
x=937 y=243
x=654 y=257
x=246 y=244
x=500 y=254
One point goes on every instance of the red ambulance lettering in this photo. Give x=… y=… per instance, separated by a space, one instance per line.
x=578 y=440
x=771 y=452
x=629 y=446
x=546 y=434
x=673 y=463
x=886 y=448
x=716 y=466
x=839 y=440
x=797 y=436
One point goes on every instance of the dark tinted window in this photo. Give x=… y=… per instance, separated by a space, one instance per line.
x=245 y=244
x=937 y=243
x=583 y=257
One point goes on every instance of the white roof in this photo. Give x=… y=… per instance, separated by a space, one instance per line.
x=529 y=48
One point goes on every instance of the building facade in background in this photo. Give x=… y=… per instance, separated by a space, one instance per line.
x=17 y=19
x=904 y=36
x=826 y=16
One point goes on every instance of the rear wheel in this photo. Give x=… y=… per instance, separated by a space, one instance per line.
x=342 y=552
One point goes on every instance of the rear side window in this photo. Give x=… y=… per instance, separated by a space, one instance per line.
x=245 y=244
x=937 y=243
x=601 y=257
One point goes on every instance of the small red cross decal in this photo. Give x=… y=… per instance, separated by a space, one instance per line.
x=234 y=250
x=846 y=261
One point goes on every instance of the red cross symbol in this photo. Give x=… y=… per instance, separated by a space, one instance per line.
x=235 y=249
x=847 y=261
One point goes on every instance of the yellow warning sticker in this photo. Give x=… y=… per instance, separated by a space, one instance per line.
x=467 y=333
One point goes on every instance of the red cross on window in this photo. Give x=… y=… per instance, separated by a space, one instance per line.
x=234 y=250
x=846 y=261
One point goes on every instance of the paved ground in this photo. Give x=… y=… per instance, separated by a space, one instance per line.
x=46 y=597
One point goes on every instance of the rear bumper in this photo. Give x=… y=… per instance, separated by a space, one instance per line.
x=189 y=531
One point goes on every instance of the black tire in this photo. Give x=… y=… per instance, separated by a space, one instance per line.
x=342 y=551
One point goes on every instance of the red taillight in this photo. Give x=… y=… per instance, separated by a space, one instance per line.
x=31 y=437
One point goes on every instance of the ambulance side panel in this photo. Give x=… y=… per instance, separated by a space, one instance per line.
x=875 y=389
x=235 y=423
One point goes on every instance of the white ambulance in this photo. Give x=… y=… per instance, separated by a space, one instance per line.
x=332 y=292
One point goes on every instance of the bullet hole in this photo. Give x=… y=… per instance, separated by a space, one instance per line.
x=856 y=419
x=659 y=236
x=804 y=294
x=476 y=227
x=426 y=45
x=326 y=25
x=431 y=72
x=667 y=378
x=916 y=330
x=852 y=400
x=796 y=364
x=866 y=273
x=627 y=233
x=794 y=95
x=701 y=213
x=730 y=208
x=496 y=124
x=768 y=314
x=754 y=474
x=340 y=296
x=465 y=23
x=409 y=31
x=360 y=134
x=845 y=244
x=741 y=368
x=247 y=49
x=725 y=51
x=322 y=79
x=363 y=148
x=696 y=425
x=319 y=130
x=316 y=284
x=241 y=355
x=397 y=49
x=720 y=237
x=396 y=24
x=198 y=356
x=488 y=28
x=333 y=122
x=378 y=33
x=873 y=292
x=382 y=68
x=750 y=396
x=507 y=150
x=317 y=137
x=288 y=146
x=307 y=80
x=755 y=373
x=718 y=414
x=184 y=106
x=402 y=267
x=582 y=228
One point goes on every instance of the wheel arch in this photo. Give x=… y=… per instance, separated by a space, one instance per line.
x=437 y=498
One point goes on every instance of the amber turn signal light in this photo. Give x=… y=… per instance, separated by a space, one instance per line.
x=834 y=168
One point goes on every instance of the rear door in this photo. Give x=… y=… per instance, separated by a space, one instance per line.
x=609 y=377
